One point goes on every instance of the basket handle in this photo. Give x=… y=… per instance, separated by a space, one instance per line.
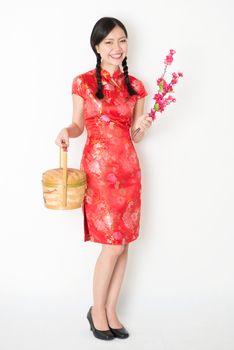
x=63 y=165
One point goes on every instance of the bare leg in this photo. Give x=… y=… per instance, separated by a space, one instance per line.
x=114 y=289
x=102 y=275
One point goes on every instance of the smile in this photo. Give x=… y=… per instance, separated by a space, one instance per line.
x=116 y=56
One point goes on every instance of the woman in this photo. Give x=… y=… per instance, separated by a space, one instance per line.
x=109 y=102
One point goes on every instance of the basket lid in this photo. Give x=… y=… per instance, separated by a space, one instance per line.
x=55 y=176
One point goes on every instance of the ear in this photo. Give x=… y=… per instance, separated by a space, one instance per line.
x=96 y=47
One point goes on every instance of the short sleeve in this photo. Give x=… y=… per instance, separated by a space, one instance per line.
x=141 y=90
x=139 y=87
x=78 y=86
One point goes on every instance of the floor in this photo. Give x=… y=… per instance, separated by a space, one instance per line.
x=38 y=323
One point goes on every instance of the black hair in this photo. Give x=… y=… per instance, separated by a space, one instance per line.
x=100 y=30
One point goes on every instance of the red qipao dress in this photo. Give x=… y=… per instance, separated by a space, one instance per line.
x=112 y=203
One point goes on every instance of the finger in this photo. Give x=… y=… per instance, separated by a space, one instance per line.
x=141 y=128
x=146 y=123
x=148 y=118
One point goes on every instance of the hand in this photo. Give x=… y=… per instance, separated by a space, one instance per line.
x=145 y=122
x=62 y=139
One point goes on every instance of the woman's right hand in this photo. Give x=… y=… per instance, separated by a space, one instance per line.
x=62 y=140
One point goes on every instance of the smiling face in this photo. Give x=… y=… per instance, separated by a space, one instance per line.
x=113 y=49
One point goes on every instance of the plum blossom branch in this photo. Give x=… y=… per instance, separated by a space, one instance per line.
x=161 y=100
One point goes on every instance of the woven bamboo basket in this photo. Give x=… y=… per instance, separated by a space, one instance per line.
x=64 y=188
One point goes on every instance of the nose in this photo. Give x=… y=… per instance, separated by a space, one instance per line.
x=117 y=47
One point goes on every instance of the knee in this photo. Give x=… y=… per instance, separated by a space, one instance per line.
x=114 y=249
x=126 y=248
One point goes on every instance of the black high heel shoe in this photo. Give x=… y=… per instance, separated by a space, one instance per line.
x=104 y=335
x=119 y=332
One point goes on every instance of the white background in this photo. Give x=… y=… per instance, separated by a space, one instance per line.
x=178 y=288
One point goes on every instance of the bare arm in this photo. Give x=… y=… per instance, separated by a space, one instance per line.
x=76 y=128
x=137 y=116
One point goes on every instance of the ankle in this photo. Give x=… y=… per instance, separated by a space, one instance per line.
x=110 y=310
x=98 y=309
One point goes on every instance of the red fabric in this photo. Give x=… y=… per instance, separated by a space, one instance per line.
x=112 y=204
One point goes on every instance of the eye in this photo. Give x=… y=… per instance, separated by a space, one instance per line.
x=124 y=40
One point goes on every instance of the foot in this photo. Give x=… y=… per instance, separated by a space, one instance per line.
x=113 y=320
x=99 y=319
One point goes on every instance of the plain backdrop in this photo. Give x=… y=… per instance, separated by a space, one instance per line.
x=178 y=287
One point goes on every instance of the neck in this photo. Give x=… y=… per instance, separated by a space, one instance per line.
x=111 y=69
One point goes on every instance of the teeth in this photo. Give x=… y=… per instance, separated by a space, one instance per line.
x=116 y=56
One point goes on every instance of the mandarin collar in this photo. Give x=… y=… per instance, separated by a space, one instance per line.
x=117 y=73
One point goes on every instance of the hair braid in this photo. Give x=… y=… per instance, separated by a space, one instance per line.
x=125 y=69
x=99 y=92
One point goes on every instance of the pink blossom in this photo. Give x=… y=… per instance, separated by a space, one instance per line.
x=169 y=88
x=153 y=114
x=168 y=60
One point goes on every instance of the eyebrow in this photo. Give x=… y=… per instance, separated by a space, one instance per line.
x=119 y=38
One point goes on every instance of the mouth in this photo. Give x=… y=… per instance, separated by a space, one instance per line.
x=116 y=57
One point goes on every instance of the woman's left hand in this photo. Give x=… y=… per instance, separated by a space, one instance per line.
x=146 y=122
